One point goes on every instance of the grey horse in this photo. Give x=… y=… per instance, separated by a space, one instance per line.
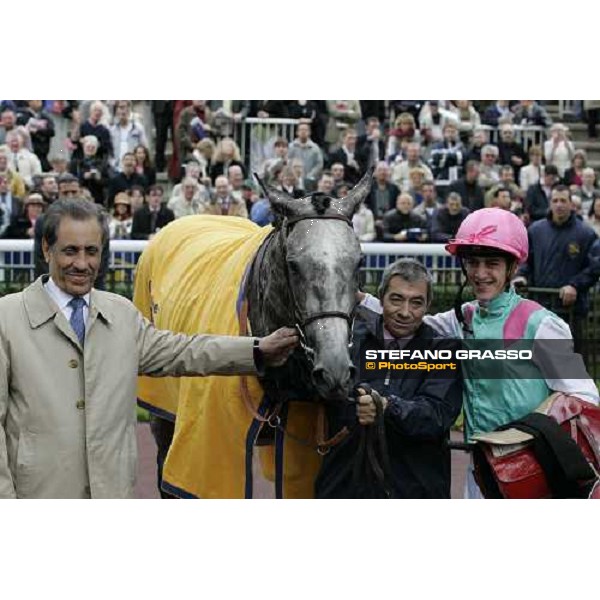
x=306 y=276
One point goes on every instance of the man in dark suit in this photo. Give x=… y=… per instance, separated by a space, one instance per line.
x=152 y=217
x=347 y=155
x=370 y=148
x=162 y=111
x=382 y=196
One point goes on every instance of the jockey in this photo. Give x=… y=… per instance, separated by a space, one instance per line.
x=490 y=245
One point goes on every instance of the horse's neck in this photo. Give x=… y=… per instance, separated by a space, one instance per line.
x=269 y=296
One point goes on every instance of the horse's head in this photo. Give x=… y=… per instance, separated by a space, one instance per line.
x=321 y=263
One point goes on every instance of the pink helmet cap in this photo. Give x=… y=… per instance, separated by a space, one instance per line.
x=492 y=228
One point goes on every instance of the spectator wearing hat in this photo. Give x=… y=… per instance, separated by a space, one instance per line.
x=537 y=200
x=120 y=222
x=21 y=225
x=151 y=217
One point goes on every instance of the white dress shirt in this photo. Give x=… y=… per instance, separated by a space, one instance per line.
x=62 y=299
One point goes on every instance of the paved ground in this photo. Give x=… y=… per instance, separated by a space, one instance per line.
x=146 y=486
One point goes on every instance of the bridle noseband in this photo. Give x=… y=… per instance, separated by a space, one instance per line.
x=300 y=322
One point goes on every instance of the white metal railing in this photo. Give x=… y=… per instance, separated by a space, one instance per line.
x=257 y=136
x=566 y=107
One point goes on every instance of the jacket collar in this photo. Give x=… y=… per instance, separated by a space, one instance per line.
x=40 y=308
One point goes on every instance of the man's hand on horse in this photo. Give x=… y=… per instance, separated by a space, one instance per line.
x=366 y=410
x=277 y=346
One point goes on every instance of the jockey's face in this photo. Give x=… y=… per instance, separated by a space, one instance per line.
x=404 y=306
x=487 y=275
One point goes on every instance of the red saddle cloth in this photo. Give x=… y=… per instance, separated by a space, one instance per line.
x=507 y=465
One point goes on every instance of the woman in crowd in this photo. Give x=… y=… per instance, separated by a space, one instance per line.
x=91 y=169
x=559 y=150
x=121 y=220
x=144 y=166
x=227 y=154
x=574 y=174
x=530 y=174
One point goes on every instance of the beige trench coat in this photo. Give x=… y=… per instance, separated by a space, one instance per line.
x=67 y=415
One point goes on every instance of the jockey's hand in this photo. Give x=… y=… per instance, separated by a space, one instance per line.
x=568 y=295
x=277 y=346
x=365 y=406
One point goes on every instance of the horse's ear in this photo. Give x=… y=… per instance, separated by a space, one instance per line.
x=359 y=192
x=281 y=202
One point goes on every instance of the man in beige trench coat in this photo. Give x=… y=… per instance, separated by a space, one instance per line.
x=68 y=369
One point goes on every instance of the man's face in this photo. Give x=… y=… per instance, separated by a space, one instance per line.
x=122 y=111
x=550 y=180
x=337 y=170
x=221 y=187
x=49 y=186
x=188 y=191
x=236 y=177
x=154 y=199
x=428 y=193
x=480 y=138
x=412 y=153
x=404 y=306
x=281 y=151
x=382 y=173
x=507 y=134
x=96 y=113
x=128 y=163
x=350 y=141
x=14 y=143
x=588 y=179
x=68 y=189
x=303 y=132
x=326 y=184
x=488 y=158
x=404 y=204
x=8 y=119
x=560 y=206
x=507 y=176
x=35 y=104
x=487 y=276
x=454 y=205
x=473 y=172
x=503 y=200
x=450 y=133
x=74 y=259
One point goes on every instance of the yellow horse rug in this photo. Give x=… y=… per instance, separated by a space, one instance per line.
x=190 y=280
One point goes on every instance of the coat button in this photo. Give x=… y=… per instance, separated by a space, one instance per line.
x=80 y=404
x=73 y=363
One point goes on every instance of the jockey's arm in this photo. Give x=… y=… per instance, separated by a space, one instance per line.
x=563 y=369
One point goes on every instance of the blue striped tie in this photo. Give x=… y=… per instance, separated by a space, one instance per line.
x=77 y=322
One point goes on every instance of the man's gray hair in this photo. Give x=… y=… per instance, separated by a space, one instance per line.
x=411 y=271
x=76 y=209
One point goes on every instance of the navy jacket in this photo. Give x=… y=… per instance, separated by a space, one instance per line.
x=560 y=255
x=418 y=418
